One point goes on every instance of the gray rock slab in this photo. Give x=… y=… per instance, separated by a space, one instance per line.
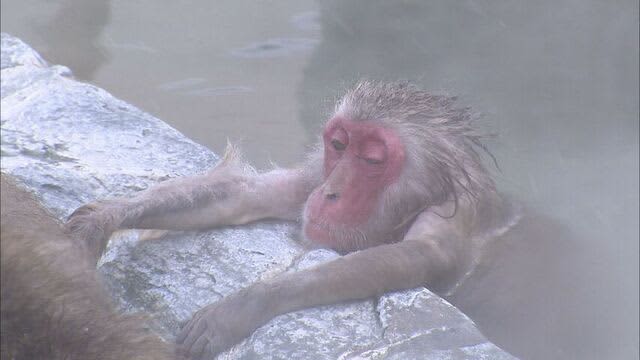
x=71 y=142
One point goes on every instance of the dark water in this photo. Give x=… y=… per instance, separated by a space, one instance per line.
x=557 y=80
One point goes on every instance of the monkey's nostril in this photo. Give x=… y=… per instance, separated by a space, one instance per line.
x=332 y=197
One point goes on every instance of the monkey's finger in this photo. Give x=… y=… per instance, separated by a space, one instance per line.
x=182 y=335
x=194 y=333
x=186 y=329
x=88 y=209
x=197 y=350
x=213 y=349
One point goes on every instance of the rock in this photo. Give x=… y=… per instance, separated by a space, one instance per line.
x=71 y=143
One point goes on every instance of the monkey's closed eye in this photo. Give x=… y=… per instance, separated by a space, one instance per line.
x=373 y=161
x=339 y=146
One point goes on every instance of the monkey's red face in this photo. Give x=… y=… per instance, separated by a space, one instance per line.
x=360 y=160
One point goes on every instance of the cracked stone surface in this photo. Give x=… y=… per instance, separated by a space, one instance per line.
x=71 y=143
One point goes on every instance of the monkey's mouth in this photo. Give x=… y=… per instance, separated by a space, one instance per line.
x=338 y=237
x=317 y=232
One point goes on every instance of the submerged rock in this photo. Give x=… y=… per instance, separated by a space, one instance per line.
x=71 y=143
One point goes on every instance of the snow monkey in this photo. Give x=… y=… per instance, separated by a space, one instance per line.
x=54 y=305
x=397 y=186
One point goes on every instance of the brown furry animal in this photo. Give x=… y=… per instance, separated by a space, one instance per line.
x=397 y=185
x=53 y=302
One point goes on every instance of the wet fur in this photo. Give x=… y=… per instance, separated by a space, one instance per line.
x=53 y=302
x=443 y=158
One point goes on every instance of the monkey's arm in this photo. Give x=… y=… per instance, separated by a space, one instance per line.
x=218 y=199
x=360 y=275
x=224 y=196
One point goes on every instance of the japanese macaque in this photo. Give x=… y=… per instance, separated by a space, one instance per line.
x=53 y=302
x=398 y=186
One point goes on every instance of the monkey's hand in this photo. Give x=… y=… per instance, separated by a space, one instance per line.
x=93 y=224
x=218 y=326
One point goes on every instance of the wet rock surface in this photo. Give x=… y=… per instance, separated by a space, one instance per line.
x=71 y=143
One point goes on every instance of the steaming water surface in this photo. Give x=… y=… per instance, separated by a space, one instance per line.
x=557 y=80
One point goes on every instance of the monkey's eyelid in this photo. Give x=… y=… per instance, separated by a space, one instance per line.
x=338 y=145
x=371 y=161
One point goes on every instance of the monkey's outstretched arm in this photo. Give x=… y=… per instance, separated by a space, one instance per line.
x=224 y=196
x=359 y=275
x=218 y=199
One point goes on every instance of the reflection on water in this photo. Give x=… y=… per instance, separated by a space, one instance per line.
x=275 y=48
x=72 y=35
x=214 y=70
x=558 y=80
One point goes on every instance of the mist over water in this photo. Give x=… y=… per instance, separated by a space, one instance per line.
x=556 y=80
